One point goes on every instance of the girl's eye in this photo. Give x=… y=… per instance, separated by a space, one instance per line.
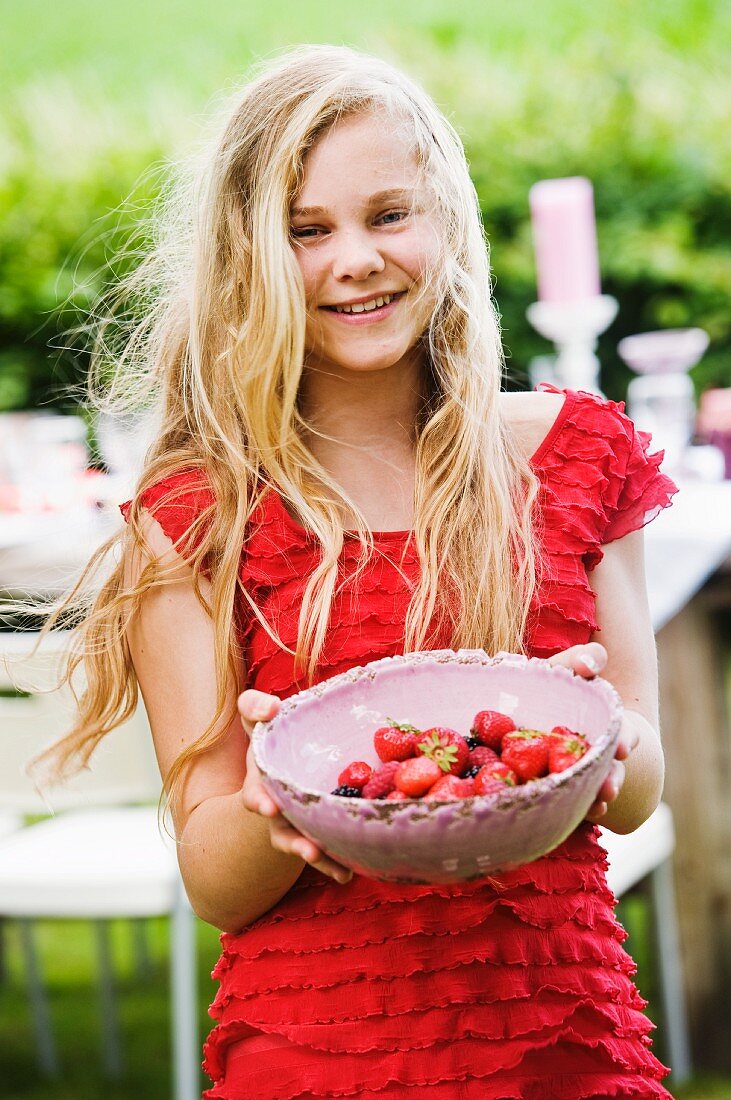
x=305 y=233
x=393 y=217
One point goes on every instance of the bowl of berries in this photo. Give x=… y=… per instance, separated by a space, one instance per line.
x=443 y=766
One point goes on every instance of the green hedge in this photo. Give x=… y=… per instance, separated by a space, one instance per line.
x=649 y=128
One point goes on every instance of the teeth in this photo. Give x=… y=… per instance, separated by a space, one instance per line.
x=366 y=307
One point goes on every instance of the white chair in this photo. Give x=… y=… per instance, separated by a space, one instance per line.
x=103 y=856
x=647 y=854
x=9 y=822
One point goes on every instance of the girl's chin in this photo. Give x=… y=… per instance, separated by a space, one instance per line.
x=363 y=360
x=360 y=365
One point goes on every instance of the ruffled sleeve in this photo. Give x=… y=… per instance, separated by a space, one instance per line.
x=638 y=491
x=600 y=473
x=179 y=503
x=182 y=504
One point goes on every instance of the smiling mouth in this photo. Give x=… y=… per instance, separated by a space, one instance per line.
x=378 y=303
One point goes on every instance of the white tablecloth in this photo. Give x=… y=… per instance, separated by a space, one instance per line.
x=685 y=544
x=46 y=552
x=18 y=530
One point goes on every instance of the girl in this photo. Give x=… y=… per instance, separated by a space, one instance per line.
x=337 y=476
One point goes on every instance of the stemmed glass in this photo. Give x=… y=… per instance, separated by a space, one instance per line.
x=661 y=399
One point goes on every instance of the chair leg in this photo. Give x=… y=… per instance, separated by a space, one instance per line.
x=45 y=1043
x=141 y=950
x=111 y=1049
x=184 y=1014
x=670 y=971
x=3 y=952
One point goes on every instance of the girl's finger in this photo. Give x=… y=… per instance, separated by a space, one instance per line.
x=606 y=794
x=585 y=660
x=623 y=750
x=333 y=870
x=287 y=839
x=596 y=812
x=256 y=799
x=256 y=706
x=627 y=742
x=612 y=785
x=253 y=792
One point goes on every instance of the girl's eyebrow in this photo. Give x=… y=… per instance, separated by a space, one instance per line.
x=403 y=194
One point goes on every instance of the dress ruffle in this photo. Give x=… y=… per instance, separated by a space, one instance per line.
x=514 y=988
x=600 y=449
x=377 y=989
x=178 y=503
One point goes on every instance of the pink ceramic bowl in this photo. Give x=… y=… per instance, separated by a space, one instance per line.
x=317 y=732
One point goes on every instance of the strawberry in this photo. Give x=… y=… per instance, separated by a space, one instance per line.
x=397 y=796
x=564 y=731
x=355 y=775
x=450 y=787
x=490 y=726
x=396 y=741
x=526 y=752
x=415 y=777
x=494 y=778
x=502 y=772
x=382 y=781
x=482 y=755
x=488 y=784
x=565 y=751
x=446 y=747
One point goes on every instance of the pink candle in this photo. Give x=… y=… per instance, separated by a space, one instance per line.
x=564 y=236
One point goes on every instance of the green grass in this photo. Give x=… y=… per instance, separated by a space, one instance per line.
x=67 y=953
x=66 y=949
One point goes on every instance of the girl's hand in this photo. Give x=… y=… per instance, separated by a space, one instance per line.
x=588 y=661
x=255 y=706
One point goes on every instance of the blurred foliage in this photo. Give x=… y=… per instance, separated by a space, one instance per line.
x=641 y=106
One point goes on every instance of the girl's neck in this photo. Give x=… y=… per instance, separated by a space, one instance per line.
x=370 y=413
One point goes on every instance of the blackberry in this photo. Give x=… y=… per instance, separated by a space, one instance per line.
x=348 y=792
x=471 y=772
x=472 y=742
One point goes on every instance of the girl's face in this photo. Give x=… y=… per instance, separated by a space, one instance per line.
x=363 y=240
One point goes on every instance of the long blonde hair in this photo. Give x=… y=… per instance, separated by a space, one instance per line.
x=218 y=352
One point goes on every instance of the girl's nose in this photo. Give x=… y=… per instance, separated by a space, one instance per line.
x=356 y=257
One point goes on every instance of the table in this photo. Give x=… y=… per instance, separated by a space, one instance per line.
x=17 y=530
x=685 y=545
x=688 y=559
x=45 y=552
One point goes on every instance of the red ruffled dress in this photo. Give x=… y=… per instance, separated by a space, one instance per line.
x=517 y=987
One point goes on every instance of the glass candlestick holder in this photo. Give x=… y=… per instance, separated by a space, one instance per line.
x=661 y=400
x=669 y=351
x=574 y=327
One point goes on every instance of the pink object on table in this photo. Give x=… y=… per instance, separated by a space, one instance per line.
x=714 y=410
x=564 y=236
x=714 y=422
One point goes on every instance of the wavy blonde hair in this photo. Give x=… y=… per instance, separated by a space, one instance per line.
x=218 y=351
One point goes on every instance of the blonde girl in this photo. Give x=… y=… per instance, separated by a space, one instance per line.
x=337 y=476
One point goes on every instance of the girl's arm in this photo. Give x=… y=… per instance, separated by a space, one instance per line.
x=232 y=873
x=627 y=658
x=623 y=613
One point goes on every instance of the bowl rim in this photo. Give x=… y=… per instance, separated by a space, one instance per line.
x=440 y=657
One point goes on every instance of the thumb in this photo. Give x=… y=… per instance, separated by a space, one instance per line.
x=585 y=660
